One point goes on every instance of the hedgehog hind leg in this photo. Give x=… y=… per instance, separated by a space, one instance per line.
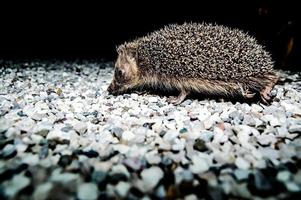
x=263 y=86
x=246 y=93
x=180 y=98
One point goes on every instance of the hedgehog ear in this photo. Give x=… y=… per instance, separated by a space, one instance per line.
x=132 y=53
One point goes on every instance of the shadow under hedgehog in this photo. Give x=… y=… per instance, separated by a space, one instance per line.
x=200 y=58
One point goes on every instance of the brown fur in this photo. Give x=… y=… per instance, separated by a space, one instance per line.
x=141 y=64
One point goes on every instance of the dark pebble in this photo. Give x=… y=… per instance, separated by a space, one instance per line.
x=260 y=185
x=115 y=178
x=169 y=178
x=99 y=177
x=117 y=132
x=66 y=128
x=4 y=141
x=126 y=96
x=94 y=113
x=91 y=153
x=97 y=94
x=167 y=162
x=65 y=160
x=9 y=173
x=162 y=133
x=21 y=114
x=53 y=142
x=44 y=151
x=43 y=132
x=291 y=167
x=9 y=151
x=200 y=145
x=135 y=193
x=148 y=125
x=183 y=130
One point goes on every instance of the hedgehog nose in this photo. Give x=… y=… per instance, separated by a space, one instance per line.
x=110 y=90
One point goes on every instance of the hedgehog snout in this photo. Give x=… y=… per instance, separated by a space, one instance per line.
x=115 y=88
x=111 y=89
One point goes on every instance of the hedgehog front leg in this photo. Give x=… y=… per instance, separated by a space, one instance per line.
x=179 y=99
x=265 y=94
x=246 y=93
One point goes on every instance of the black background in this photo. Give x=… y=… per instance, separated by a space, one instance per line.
x=93 y=30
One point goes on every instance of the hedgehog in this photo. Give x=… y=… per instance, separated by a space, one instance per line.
x=201 y=58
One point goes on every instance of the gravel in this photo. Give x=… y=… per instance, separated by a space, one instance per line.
x=63 y=136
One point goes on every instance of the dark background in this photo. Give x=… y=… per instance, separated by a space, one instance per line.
x=92 y=31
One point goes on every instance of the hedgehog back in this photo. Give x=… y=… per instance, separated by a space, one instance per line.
x=203 y=51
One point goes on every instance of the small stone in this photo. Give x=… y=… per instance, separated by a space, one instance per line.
x=120 y=169
x=128 y=136
x=31 y=159
x=43 y=191
x=117 y=177
x=292 y=187
x=66 y=179
x=117 y=131
x=170 y=135
x=187 y=175
x=80 y=127
x=99 y=177
x=8 y=151
x=15 y=185
x=242 y=163
x=259 y=184
x=160 y=192
x=200 y=145
x=87 y=191
x=183 y=130
x=152 y=99
x=283 y=176
x=65 y=160
x=25 y=124
x=59 y=91
x=249 y=120
x=151 y=177
x=44 y=151
x=199 y=165
x=294 y=128
x=133 y=163
x=152 y=157
x=122 y=189
x=206 y=136
x=241 y=174
x=208 y=124
x=203 y=114
x=166 y=161
x=66 y=128
x=190 y=197
x=264 y=139
x=256 y=108
x=4 y=124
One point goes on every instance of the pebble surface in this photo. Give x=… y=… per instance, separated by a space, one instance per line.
x=62 y=136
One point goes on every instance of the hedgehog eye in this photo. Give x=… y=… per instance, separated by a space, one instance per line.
x=119 y=73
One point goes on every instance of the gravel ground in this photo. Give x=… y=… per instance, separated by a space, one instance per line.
x=63 y=137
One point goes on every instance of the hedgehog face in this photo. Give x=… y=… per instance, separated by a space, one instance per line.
x=125 y=74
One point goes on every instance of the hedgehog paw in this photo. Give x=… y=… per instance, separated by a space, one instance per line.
x=179 y=99
x=265 y=95
x=247 y=94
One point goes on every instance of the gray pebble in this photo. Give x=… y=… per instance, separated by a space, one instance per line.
x=87 y=191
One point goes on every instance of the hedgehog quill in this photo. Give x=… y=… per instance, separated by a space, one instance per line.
x=195 y=58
